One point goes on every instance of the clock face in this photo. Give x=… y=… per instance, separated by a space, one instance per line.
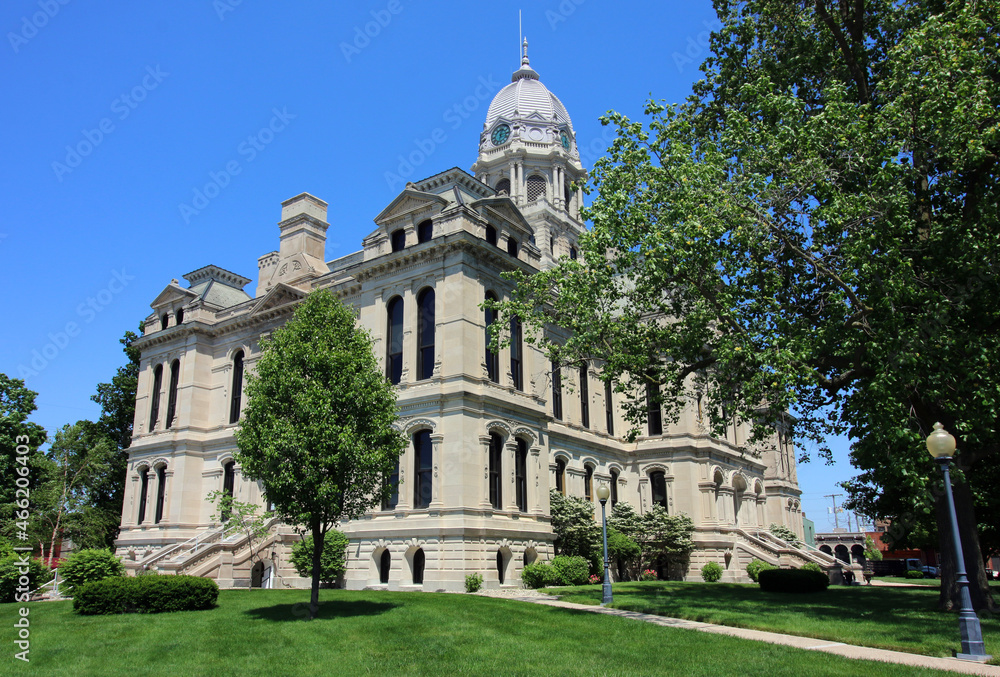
x=565 y=140
x=500 y=135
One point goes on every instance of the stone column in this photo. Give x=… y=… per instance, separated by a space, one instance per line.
x=484 y=489
x=534 y=479
x=508 y=478
x=436 y=480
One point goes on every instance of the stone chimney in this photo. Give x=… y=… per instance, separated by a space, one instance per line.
x=301 y=254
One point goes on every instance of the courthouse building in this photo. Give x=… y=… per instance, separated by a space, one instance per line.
x=489 y=433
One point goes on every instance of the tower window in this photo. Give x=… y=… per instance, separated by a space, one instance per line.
x=566 y=195
x=572 y=253
x=163 y=321
x=394 y=342
x=425 y=334
x=503 y=187
x=556 y=390
x=536 y=187
x=237 y=395
x=521 y=475
x=496 y=462
x=154 y=407
x=423 y=468
x=175 y=368
x=398 y=240
x=492 y=358
x=180 y=315
x=491 y=235
x=425 y=230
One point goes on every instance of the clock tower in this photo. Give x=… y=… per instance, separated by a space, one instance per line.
x=528 y=151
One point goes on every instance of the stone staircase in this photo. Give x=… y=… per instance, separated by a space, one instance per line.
x=746 y=545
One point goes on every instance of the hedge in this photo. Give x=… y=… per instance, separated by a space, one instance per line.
x=711 y=572
x=573 y=570
x=145 y=594
x=792 y=580
x=539 y=575
x=756 y=566
x=89 y=565
x=16 y=580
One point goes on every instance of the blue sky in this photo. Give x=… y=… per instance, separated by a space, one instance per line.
x=141 y=141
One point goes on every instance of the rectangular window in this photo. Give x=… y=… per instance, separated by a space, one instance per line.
x=496 y=458
x=609 y=408
x=654 y=417
x=521 y=475
x=556 y=391
x=424 y=468
x=393 y=483
x=584 y=398
x=516 y=356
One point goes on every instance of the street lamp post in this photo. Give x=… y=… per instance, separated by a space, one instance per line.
x=941 y=445
x=602 y=495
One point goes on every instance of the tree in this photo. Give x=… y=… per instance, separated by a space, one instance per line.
x=242 y=518
x=318 y=431
x=816 y=231
x=17 y=403
x=664 y=540
x=334 y=556
x=577 y=533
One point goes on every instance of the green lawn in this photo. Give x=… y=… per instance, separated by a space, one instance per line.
x=902 y=619
x=263 y=632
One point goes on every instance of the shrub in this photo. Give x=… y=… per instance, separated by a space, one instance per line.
x=812 y=566
x=539 y=575
x=756 y=566
x=332 y=561
x=87 y=566
x=711 y=572
x=914 y=574
x=792 y=580
x=11 y=571
x=648 y=575
x=473 y=582
x=146 y=594
x=571 y=570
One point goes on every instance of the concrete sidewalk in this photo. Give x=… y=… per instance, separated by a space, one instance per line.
x=808 y=643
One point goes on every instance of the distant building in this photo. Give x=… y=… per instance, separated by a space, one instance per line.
x=808 y=531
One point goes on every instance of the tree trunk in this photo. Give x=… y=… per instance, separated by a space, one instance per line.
x=974 y=566
x=318 y=536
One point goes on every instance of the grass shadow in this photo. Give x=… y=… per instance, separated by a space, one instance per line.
x=280 y=613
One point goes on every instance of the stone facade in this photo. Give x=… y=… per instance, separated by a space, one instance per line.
x=489 y=435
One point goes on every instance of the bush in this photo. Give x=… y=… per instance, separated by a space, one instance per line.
x=914 y=574
x=792 y=580
x=711 y=572
x=648 y=575
x=11 y=570
x=812 y=566
x=146 y=594
x=87 y=566
x=332 y=561
x=756 y=566
x=571 y=570
x=473 y=582
x=539 y=575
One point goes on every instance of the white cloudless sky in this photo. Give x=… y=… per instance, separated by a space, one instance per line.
x=141 y=141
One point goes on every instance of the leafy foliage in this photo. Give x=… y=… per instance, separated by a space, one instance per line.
x=571 y=570
x=784 y=533
x=12 y=568
x=17 y=403
x=664 y=540
x=145 y=594
x=623 y=549
x=318 y=428
x=573 y=522
x=242 y=518
x=711 y=572
x=539 y=575
x=334 y=561
x=871 y=550
x=473 y=582
x=756 y=566
x=88 y=565
x=809 y=566
x=793 y=580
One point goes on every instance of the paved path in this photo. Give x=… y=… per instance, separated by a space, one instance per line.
x=808 y=643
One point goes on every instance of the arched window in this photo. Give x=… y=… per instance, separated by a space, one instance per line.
x=584 y=397
x=556 y=390
x=492 y=358
x=180 y=315
x=154 y=407
x=418 y=567
x=572 y=253
x=536 y=187
x=175 y=368
x=237 y=396
x=425 y=231
x=423 y=468
x=143 y=490
x=503 y=187
x=567 y=196
x=163 y=321
x=500 y=567
x=516 y=354
x=561 y=476
x=654 y=417
x=392 y=481
x=383 y=567
x=491 y=235
x=588 y=482
x=228 y=484
x=512 y=246
x=496 y=465
x=425 y=334
x=394 y=342
x=521 y=475
x=398 y=240
x=609 y=408
x=161 y=478
x=658 y=485
x=614 y=486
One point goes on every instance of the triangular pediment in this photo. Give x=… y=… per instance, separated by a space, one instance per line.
x=410 y=200
x=504 y=208
x=280 y=295
x=171 y=294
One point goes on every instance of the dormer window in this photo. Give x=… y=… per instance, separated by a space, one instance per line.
x=180 y=315
x=398 y=240
x=512 y=246
x=425 y=230
x=164 y=321
x=491 y=235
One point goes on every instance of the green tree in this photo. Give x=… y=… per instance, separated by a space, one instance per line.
x=815 y=230
x=17 y=403
x=318 y=428
x=334 y=556
x=577 y=533
x=664 y=540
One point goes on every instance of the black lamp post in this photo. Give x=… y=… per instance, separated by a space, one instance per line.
x=941 y=444
x=602 y=495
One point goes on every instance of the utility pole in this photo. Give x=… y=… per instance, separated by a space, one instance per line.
x=836 y=520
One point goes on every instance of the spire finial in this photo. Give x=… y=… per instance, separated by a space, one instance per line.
x=524 y=59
